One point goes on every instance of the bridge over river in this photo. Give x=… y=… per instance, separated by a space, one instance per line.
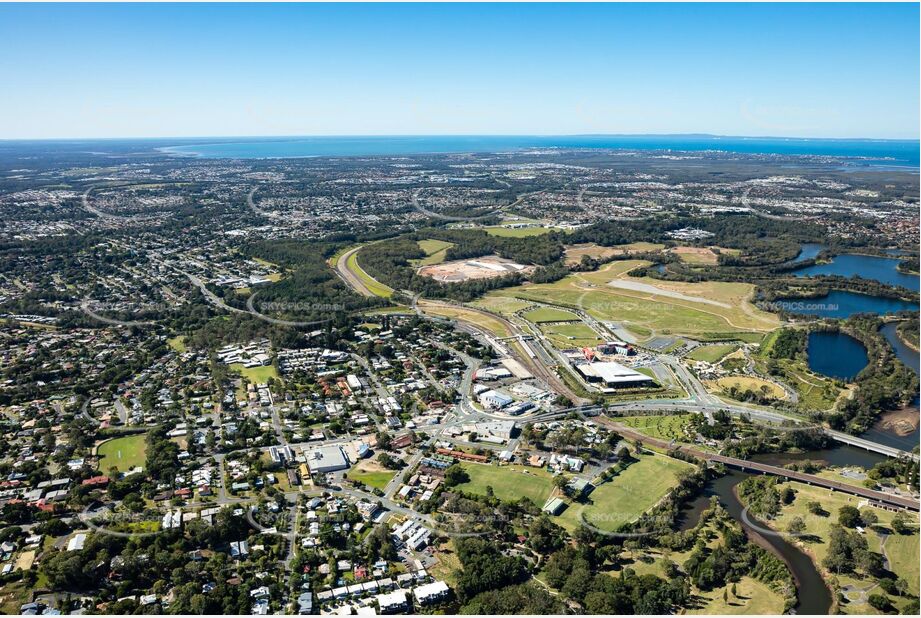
x=877 y=497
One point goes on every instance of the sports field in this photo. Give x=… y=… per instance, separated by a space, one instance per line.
x=500 y=304
x=627 y=496
x=509 y=483
x=549 y=314
x=256 y=375
x=123 y=453
x=569 y=335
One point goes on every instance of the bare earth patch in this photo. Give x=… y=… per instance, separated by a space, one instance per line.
x=900 y=422
x=474 y=268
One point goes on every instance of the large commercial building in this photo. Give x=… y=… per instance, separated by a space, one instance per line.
x=325 y=459
x=613 y=375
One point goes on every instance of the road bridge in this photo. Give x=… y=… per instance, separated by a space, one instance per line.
x=878 y=497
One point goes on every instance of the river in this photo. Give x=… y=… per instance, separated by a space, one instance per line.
x=813 y=596
x=882 y=431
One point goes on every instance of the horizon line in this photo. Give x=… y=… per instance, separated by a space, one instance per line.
x=403 y=135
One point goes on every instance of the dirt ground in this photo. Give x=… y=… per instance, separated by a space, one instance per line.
x=474 y=268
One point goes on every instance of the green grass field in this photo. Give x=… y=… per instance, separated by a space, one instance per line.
x=177 y=343
x=815 y=392
x=711 y=353
x=374 y=286
x=665 y=307
x=486 y=321
x=522 y=232
x=509 y=483
x=549 y=314
x=903 y=552
x=746 y=383
x=123 y=453
x=627 y=496
x=372 y=479
x=569 y=335
x=500 y=304
x=752 y=598
x=434 y=251
x=256 y=375
x=668 y=427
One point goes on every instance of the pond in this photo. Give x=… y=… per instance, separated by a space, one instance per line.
x=882 y=269
x=836 y=355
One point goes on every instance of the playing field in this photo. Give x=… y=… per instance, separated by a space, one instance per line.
x=571 y=335
x=509 y=483
x=711 y=353
x=123 y=453
x=256 y=375
x=549 y=314
x=627 y=496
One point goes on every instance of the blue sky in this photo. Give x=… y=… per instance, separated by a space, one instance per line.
x=213 y=70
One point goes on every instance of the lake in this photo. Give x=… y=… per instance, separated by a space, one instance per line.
x=882 y=269
x=842 y=304
x=836 y=354
x=807 y=252
x=884 y=154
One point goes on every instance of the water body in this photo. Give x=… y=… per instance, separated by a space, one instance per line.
x=812 y=594
x=880 y=432
x=807 y=252
x=842 y=304
x=836 y=354
x=840 y=456
x=882 y=269
x=883 y=154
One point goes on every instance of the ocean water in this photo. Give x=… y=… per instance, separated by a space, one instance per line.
x=872 y=153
